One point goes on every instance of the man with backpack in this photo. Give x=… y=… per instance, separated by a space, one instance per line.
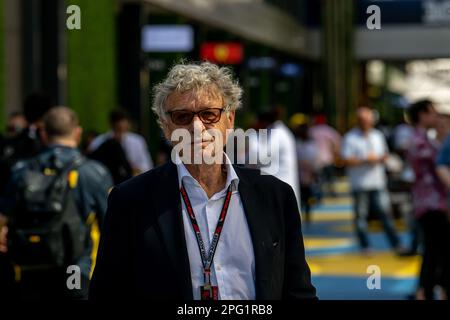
x=28 y=142
x=54 y=203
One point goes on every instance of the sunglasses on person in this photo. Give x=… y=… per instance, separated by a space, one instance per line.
x=184 y=117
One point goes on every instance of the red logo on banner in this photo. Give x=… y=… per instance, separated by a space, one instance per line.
x=225 y=53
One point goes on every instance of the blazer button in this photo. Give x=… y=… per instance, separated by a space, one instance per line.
x=275 y=244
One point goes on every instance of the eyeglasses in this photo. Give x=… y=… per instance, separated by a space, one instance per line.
x=207 y=116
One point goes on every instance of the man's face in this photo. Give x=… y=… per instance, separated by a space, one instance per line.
x=365 y=118
x=15 y=125
x=442 y=124
x=430 y=118
x=201 y=135
x=120 y=128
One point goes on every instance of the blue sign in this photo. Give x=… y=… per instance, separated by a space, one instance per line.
x=290 y=69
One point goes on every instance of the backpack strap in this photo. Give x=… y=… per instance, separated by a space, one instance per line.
x=61 y=177
x=75 y=163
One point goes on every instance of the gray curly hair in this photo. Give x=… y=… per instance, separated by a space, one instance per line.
x=197 y=76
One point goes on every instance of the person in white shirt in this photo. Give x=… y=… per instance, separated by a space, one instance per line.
x=364 y=152
x=204 y=230
x=287 y=156
x=133 y=144
x=278 y=156
x=234 y=262
x=328 y=143
x=308 y=164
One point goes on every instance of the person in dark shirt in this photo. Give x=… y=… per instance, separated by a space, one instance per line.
x=118 y=166
x=27 y=142
x=93 y=183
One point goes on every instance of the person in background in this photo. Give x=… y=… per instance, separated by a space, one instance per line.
x=442 y=128
x=133 y=144
x=443 y=166
x=16 y=124
x=22 y=140
x=89 y=136
x=328 y=142
x=429 y=200
x=29 y=141
x=364 y=152
x=61 y=134
x=7 y=283
x=308 y=155
x=401 y=136
x=443 y=172
x=118 y=164
x=283 y=162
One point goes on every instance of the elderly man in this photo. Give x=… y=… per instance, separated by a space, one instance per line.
x=196 y=229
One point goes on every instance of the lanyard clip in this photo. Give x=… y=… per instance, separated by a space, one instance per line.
x=207 y=276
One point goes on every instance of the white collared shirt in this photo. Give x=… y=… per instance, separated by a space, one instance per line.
x=233 y=268
x=365 y=177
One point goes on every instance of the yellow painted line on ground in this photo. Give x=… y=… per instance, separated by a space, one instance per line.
x=342 y=187
x=374 y=226
x=355 y=264
x=323 y=243
x=337 y=201
x=331 y=216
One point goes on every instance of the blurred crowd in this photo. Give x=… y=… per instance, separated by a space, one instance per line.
x=44 y=144
x=54 y=186
x=398 y=173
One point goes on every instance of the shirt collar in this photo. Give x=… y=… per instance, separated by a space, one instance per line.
x=184 y=175
x=361 y=132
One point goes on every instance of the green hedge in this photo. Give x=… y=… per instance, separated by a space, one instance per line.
x=2 y=68
x=91 y=63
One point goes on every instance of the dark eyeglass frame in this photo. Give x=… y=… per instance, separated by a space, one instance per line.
x=193 y=114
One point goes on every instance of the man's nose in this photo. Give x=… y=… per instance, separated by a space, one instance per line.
x=197 y=124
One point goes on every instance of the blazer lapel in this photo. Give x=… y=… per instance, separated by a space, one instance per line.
x=172 y=229
x=260 y=234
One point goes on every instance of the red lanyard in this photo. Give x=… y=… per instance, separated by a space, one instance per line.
x=206 y=259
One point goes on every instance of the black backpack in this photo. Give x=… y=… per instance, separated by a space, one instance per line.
x=46 y=228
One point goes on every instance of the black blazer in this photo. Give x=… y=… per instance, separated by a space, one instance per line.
x=143 y=250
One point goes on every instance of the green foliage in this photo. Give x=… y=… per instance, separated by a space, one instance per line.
x=2 y=68
x=92 y=63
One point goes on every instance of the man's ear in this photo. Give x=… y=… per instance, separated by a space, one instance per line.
x=44 y=136
x=231 y=115
x=78 y=133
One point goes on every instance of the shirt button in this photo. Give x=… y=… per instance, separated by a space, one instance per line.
x=218 y=268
